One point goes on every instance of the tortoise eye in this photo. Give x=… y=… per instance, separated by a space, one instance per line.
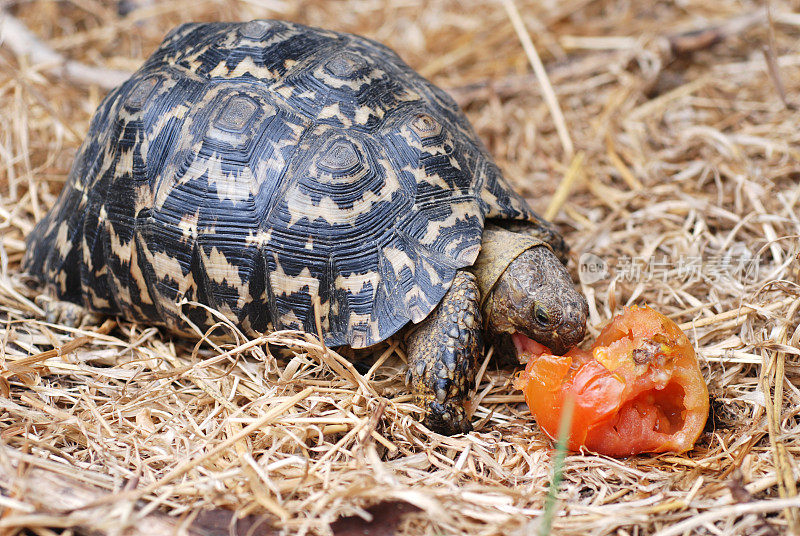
x=541 y=316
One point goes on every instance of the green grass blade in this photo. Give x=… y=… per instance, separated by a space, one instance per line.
x=558 y=467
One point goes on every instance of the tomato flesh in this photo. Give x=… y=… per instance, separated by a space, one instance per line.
x=638 y=389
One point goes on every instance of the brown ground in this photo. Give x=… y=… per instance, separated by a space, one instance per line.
x=686 y=153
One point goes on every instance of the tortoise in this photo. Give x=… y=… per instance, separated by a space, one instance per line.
x=289 y=177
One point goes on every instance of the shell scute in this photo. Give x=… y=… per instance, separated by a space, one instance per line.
x=275 y=176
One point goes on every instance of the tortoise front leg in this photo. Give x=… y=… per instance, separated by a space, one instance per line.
x=442 y=353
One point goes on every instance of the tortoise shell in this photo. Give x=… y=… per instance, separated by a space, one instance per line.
x=279 y=174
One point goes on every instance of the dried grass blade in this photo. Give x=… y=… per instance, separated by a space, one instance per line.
x=541 y=75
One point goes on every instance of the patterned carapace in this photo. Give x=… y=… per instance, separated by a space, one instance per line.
x=276 y=173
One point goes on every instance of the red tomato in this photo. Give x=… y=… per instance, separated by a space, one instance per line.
x=639 y=388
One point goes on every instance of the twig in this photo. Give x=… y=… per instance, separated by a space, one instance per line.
x=541 y=75
x=678 y=43
x=772 y=62
x=694 y=40
x=24 y=43
x=511 y=85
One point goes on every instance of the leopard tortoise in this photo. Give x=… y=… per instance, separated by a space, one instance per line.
x=283 y=174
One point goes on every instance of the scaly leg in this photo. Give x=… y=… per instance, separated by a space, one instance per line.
x=442 y=353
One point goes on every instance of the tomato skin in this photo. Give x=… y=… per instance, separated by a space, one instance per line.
x=639 y=388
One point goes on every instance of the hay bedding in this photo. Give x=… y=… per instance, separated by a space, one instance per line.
x=676 y=163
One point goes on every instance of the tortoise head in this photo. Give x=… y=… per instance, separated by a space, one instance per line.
x=535 y=296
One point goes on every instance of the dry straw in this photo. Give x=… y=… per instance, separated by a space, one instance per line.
x=686 y=169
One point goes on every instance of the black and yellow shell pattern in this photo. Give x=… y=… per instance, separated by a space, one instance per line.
x=273 y=172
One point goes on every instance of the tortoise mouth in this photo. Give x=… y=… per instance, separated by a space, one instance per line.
x=528 y=346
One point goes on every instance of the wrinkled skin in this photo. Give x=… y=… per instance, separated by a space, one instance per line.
x=536 y=297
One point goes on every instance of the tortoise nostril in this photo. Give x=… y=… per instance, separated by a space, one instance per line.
x=572 y=331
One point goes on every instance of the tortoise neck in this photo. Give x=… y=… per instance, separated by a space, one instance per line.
x=499 y=248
